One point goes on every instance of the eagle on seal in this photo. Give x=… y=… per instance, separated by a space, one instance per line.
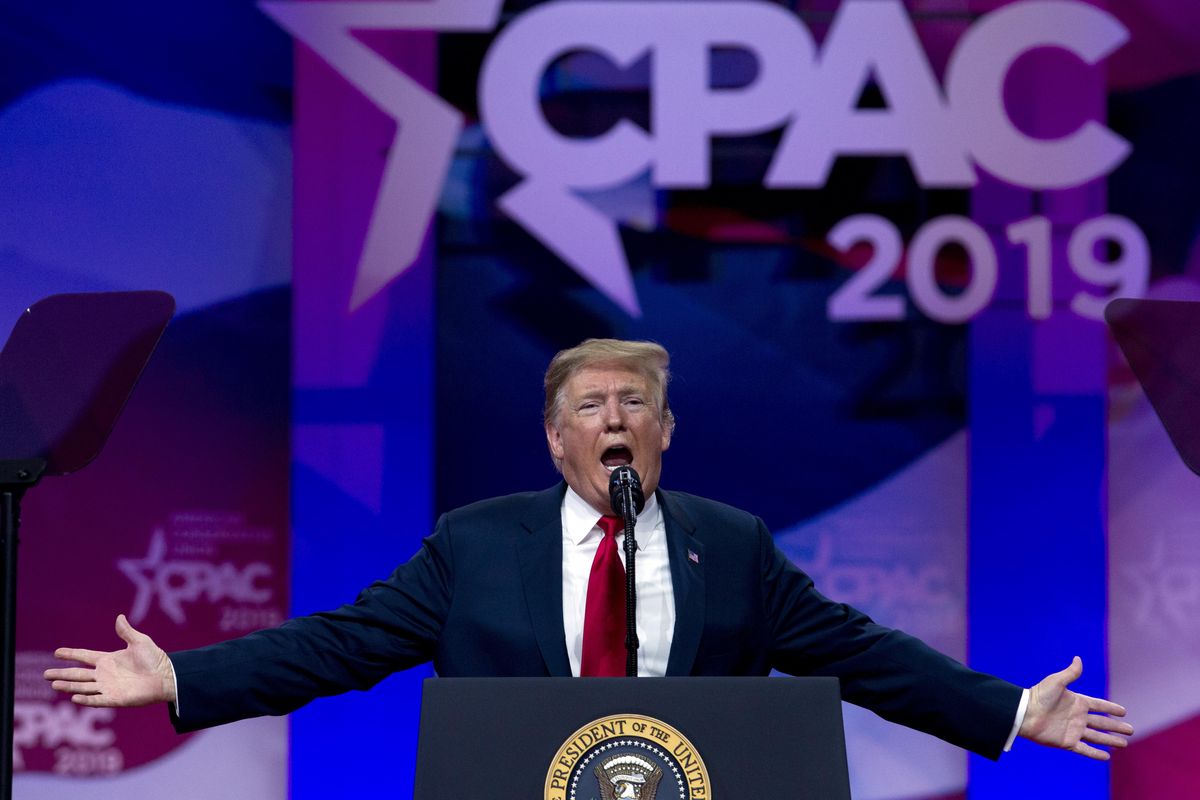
x=628 y=777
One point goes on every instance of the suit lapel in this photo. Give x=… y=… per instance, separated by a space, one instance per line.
x=541 y=573
x=686 y=555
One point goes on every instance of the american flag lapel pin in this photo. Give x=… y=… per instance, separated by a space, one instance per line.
x=693 y=557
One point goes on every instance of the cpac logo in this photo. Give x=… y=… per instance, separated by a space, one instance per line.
x=883 y=589
x=52 y=724
x=175 y=582
x=945 y=132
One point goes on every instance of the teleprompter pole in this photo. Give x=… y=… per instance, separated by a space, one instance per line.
x=15 y=478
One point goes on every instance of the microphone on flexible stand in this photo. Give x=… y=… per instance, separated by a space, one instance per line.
x=627 y=499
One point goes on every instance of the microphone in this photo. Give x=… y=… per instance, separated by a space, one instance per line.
x=625 y=490
x=627 y=499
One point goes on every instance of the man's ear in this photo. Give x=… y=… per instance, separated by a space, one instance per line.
x=554 y=440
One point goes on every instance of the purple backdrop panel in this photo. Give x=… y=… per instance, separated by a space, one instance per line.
x=362 y=396
x=1038 y=389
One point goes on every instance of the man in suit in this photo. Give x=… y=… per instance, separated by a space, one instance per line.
x=532 y=585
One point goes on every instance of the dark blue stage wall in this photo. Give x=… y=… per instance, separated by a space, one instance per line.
x=876 y=236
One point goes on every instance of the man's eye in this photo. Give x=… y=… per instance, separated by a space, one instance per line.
x=589 y=407
x=634 y=402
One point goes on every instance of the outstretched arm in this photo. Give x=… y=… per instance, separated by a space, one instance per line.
x=1058 y=717
x=139 y=675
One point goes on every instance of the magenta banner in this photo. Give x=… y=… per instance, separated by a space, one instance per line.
x=181 y=524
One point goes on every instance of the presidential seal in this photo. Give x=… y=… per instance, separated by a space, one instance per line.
x=627 y=757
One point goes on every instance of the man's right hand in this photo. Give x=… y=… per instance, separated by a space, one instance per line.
x=139 y=675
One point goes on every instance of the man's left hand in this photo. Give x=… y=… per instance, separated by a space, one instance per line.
x=1058 y=717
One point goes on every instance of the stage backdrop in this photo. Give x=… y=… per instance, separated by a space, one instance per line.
x=876 y=237
x=142 y=147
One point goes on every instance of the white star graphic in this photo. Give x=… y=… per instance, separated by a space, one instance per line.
x=427 y=127
x=144 y=574
x=1164 y=596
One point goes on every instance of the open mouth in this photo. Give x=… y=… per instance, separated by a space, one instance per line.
x=619 y=456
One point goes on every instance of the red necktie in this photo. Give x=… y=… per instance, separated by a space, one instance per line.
x=604 y=618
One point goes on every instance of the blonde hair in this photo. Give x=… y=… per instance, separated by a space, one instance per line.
x=650 y=359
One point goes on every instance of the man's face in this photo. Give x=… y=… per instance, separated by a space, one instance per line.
x=608 y=418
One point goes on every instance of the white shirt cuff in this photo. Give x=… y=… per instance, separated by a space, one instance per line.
x=175 y=685
x=1012 y=735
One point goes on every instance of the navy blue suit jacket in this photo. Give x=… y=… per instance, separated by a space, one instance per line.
x=483 y=597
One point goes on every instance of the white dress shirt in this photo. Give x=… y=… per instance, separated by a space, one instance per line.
x=655 y=596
